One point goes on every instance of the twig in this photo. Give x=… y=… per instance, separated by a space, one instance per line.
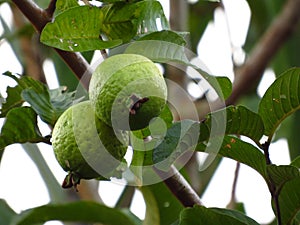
x=278 y=32
x=179 y=187
x=232 y=202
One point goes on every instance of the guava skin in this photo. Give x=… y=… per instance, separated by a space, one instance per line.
x=127 y=91
x=82 y=141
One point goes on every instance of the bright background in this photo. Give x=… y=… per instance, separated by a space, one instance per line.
x=21 y=184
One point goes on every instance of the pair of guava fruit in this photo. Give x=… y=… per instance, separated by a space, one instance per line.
x=90 y=138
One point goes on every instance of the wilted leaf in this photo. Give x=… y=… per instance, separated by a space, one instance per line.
x=199 y=215
x=280 y=100
x=76 y=212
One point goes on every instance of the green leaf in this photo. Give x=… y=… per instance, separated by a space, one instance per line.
x=166 y=52
x=49 y=104
x=279 y=175
x=77 y=29
x=165 y=35
x=239 y=121
x=296 y=162
x=6 y=213
x=14 y=98
x=125 y=20
x=199 y=215
x=289 y=201
x=241 y=151
x=152 y=216
x=63 y=5
x=180 y=137
x=280 y=100
x=168 y=205
x=76 y=212
x=20 y=126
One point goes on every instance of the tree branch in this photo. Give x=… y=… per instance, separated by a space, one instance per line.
x=278 y=32
x=179 y=187
x=39 y=18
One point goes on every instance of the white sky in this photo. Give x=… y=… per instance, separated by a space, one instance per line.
x=20 y=183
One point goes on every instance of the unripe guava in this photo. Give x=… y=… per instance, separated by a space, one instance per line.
x=85 y=146
x=127 y=91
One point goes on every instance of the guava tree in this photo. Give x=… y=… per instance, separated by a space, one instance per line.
x=164 y=164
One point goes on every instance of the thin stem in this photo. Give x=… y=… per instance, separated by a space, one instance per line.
x=234 y=185
x=125 y=199
x=179 y=187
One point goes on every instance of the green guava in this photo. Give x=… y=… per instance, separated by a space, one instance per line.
x=85 y=146
x=127 y=91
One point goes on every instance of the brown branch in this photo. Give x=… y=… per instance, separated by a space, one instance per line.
x=39 y=18
x=179 y=187
x=275 y=36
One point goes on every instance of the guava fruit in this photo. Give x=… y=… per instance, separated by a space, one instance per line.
x=127 y=91
x=85 y=146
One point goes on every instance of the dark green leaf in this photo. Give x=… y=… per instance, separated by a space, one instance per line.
x=167 y=52
x=165 y=35
x=279 y=175
x=296 y=162
x=126 y=20
x=241 y=151
x=14 y=98
x=280 y=100
x=6 y=213
x=77 y=29
x=199 y=215
x=20 y=126
x=239 y=121
x=77 y=211
x=289 y=201
x=180 y=137
x=49 y=104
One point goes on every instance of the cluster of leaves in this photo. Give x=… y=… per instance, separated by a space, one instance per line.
x=79 y=28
